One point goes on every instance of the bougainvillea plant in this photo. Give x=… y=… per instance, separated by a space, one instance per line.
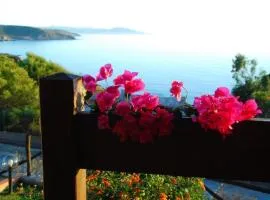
x=221 y=110
x=140 y=116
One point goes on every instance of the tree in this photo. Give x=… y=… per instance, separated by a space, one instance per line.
x=19 y=104
x=38 y=67
x=250 y=84
x=17 y=89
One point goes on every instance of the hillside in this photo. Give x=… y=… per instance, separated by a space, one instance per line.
x=10 y=32
x=87 y=30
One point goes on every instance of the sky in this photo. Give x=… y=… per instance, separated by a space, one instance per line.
x=243 y=21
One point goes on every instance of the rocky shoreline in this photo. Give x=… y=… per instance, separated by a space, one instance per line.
x=11 y=33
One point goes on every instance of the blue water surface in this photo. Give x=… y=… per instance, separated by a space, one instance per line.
x=159 y=60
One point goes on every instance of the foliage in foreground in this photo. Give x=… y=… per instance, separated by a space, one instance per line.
x=124 y=186
x=104 y=185
x=23 y=193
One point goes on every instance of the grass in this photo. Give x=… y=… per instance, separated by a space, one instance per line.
x=23 y=193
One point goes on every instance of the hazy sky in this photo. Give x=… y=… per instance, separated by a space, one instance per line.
x=245 y=20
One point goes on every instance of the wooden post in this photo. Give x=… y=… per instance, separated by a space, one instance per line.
x=28 y=154
x=62 y=178
x=2 y=119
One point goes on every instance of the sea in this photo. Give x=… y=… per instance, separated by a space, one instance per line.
x=201 y=66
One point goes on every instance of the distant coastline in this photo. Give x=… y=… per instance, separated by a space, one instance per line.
x=13 y=32
x=88 y=30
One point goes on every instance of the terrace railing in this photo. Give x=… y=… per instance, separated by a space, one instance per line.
x=71 y=143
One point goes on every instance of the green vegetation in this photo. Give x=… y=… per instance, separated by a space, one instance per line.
x=38 y=67
x=16 y=87
x=124 y=186
x=112 y=185
x=250 y=83
x=19 y=105
x=23 y=193
x=10 y=32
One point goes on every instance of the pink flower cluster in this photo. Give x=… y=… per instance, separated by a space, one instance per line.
x=221 y=110
x=141 y=118
x=90 y=83
x=143 y=125
x=176 y=89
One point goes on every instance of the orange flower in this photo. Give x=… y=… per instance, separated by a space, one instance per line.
x=174 y=181
x=137 y=190
x=129 y=182
x=99 y=192
x=162 y=196
x=178 y=198
x=201 y=184
x=91 y=177
x=106 y=182
x=135 y=178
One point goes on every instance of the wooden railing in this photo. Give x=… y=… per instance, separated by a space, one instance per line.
x=71 y=143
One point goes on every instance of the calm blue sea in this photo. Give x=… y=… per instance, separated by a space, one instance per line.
x=158 y=59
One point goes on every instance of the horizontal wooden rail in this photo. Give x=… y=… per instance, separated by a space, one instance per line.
x=189 y=151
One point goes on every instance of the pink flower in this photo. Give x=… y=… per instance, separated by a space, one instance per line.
x=99 y=78
x=103 y=122
x=176 y=89
x=120 y=130
x=146 y=100
x=89 y=83
x=126 y=76
x=91 y=86
x=123 y=108
x=147 y=127
x=217 y=113
x=87 y=78
x=127 y=128
x=249 y=110
x=222 y=92
x=134 y=86
x=105 y=101
x=105 y=71
x=164 y=121
x=147 y=120
x=221 y=110
x=114 y=90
